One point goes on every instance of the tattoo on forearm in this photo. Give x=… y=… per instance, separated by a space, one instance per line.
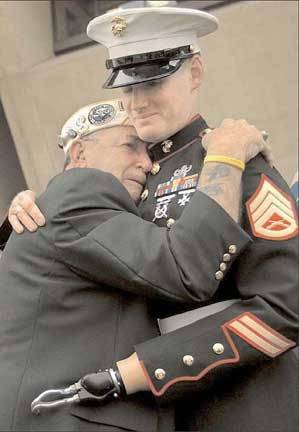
x=212 y=190
x=222 y=183
x=218 y=172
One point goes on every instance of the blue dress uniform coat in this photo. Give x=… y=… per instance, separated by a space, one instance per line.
x=240 y=372
x=73 y=297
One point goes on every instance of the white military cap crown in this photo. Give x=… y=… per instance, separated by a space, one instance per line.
x=156 y=36
x=91 y=118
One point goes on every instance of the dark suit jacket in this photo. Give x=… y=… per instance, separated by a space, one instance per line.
x=70 y=305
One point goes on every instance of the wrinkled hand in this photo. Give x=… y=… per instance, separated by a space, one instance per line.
x=238 y=139
x=23 y=212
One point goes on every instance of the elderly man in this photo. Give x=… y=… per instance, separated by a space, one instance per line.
x=236 y=365
x=88 y=273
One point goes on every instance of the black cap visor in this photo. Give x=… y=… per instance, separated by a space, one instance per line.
x=126 y=76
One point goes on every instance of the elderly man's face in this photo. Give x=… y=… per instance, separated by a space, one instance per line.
x=119 y=151
x=160 y=108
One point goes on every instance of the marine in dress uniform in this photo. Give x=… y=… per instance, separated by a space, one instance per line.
x=233 y=370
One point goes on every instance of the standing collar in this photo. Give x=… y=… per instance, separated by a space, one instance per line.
x=176 y=142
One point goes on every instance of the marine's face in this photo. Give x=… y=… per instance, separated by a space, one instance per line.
x=118 y=150
x=159 y=108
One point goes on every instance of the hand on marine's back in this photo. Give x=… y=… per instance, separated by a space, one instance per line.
x=23 y=212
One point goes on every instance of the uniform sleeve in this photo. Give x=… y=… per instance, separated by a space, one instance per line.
x=263 y=323
x=106 y=240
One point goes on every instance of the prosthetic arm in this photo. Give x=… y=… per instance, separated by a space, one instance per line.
x=94 y=388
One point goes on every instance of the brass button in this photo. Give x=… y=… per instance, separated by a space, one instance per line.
x=166 y=146
x=226 y=257
x=144 y=195
x=222 y=266
x=205 y=132
x=218 y=348
x=170 y=222
x=188 y=360
x=232 y=249
x=219 y=275
x=160 y=374
x=155 y=168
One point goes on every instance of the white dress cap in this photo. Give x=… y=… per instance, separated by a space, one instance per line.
x=91 y=118
x=139 y=30
x=148 y=43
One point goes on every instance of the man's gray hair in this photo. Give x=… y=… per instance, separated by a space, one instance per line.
x=67 y=160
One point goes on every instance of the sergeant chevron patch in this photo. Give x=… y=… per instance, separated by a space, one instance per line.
x=259 y=335
x=272 y=212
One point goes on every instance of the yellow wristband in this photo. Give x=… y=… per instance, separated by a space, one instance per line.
x=237 y=163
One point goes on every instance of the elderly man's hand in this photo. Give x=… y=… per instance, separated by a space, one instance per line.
x=238 y=139
x=23 y=212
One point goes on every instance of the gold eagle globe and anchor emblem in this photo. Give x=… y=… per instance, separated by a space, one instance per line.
x=119 y=25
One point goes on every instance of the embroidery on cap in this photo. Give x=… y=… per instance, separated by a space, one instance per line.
x=271 y=212
x=82 y=124
x=119 y=25
x=100 y=114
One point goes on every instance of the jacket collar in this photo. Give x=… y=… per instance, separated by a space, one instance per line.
x=178 y=141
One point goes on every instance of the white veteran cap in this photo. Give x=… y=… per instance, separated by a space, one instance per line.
x=148 y=43
x=91 y=118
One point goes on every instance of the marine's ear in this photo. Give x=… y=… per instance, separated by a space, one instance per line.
x=196 y=70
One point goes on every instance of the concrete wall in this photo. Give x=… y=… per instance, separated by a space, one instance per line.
x=25 y=40
x=25 y=35
x=251 y=72
x=11 y=175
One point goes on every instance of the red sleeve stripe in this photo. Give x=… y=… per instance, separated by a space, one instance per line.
x=272 y=336
x=259 y=335
x=251 y=329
